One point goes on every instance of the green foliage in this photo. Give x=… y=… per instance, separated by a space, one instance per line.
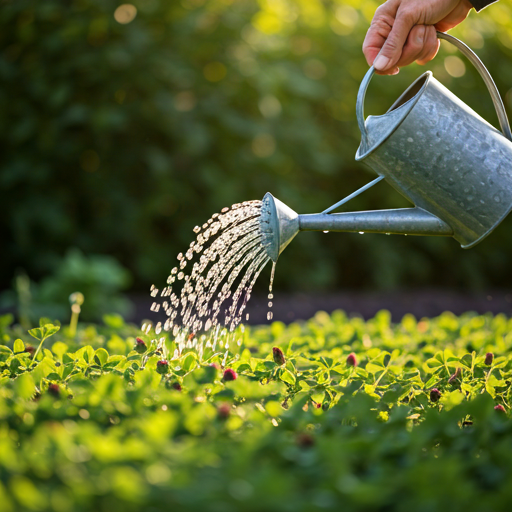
x=119 y=138
x=89 y=423
x=99 y=278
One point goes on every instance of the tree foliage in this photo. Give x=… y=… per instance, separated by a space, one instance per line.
x=119 y=134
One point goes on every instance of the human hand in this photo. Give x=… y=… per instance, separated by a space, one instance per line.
x=404 y=31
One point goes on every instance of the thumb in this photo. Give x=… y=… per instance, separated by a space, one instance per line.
x=392 y=48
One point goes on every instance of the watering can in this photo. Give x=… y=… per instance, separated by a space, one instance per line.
x=433 y=149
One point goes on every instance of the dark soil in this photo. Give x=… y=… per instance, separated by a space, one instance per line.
x=421 y=303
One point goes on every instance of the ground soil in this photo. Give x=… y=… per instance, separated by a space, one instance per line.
x=421 y=303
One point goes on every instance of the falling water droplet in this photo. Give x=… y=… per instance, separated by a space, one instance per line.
x=226 y=259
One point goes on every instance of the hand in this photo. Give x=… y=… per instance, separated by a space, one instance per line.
x=404 y=31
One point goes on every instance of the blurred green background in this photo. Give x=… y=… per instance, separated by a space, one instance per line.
x=123 y=126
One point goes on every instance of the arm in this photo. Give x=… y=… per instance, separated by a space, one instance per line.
x=404 y=31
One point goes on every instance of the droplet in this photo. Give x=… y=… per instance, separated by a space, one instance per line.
x=215 y=291
x=270 y=315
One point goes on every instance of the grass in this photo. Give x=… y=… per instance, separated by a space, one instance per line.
x=334 y=413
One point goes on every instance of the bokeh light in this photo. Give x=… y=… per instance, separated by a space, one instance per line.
x=454 y=66
x=125 y=13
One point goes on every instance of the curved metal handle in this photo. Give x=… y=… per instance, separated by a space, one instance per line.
x=361 y=94
x=473 y=58
x=487 y=78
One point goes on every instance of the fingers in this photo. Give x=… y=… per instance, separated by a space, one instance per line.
x=421 y=46
x=395 y=39
x=379 y=30
x=391 y=52
x=431 y=46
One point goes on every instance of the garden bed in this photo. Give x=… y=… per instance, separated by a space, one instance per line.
x=332 y=413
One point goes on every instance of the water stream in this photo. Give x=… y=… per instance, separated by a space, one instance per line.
x=208 y=291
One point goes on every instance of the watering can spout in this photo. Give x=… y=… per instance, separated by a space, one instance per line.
x=279 y=224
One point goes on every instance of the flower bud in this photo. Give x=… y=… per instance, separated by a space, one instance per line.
x=305 y=440
x=278 y=356
x=140 y=346
x=162 y=367
x=435 y=394
x=29 y=349
x=54 y=390
x=176 y=385
x=352 y=360
x=499 y=408
x=224 y=410
x=229 y=374
x=489 y=358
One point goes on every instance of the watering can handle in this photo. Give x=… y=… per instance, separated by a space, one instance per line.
x=473 y=58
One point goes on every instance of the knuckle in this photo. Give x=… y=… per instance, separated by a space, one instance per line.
x=417 y=36
x=407 y=14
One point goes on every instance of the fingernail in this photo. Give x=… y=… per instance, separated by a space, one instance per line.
x=381 y=62
x=420 y=35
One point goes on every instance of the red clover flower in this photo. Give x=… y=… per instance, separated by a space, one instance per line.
x=162 y=367
x=54 y=390
x=140 y=346
x=224 y=410
x=352 y=360
x=229 y=374
x=278 y=356
x=435 y=394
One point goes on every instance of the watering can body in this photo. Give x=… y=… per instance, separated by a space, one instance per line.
x=433 y=149
x=443 y=157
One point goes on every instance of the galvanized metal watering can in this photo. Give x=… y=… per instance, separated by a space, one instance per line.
x=437 y=152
